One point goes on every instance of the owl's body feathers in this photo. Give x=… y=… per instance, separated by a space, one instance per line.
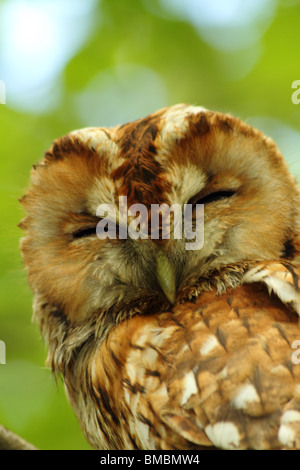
x=213 y=370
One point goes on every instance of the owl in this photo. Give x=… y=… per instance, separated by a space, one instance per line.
x=163 y=344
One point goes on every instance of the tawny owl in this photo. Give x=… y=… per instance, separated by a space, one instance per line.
x=164 y=345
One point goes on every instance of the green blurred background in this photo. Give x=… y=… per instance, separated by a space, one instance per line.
x=68 y=64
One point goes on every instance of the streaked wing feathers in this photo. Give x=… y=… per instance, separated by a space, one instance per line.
x=199 y=375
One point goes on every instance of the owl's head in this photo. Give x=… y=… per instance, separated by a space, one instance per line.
x=182 y=156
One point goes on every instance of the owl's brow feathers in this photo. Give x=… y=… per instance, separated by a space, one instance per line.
x=141 y=173
x=139 y=146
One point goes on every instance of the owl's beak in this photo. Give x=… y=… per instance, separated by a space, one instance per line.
x=166 y=276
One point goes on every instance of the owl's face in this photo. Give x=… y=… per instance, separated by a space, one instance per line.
x=179 y=155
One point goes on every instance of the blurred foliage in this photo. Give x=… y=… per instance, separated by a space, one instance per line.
x=139 y=56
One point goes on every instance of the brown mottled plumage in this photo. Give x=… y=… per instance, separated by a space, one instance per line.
x=161 y=347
